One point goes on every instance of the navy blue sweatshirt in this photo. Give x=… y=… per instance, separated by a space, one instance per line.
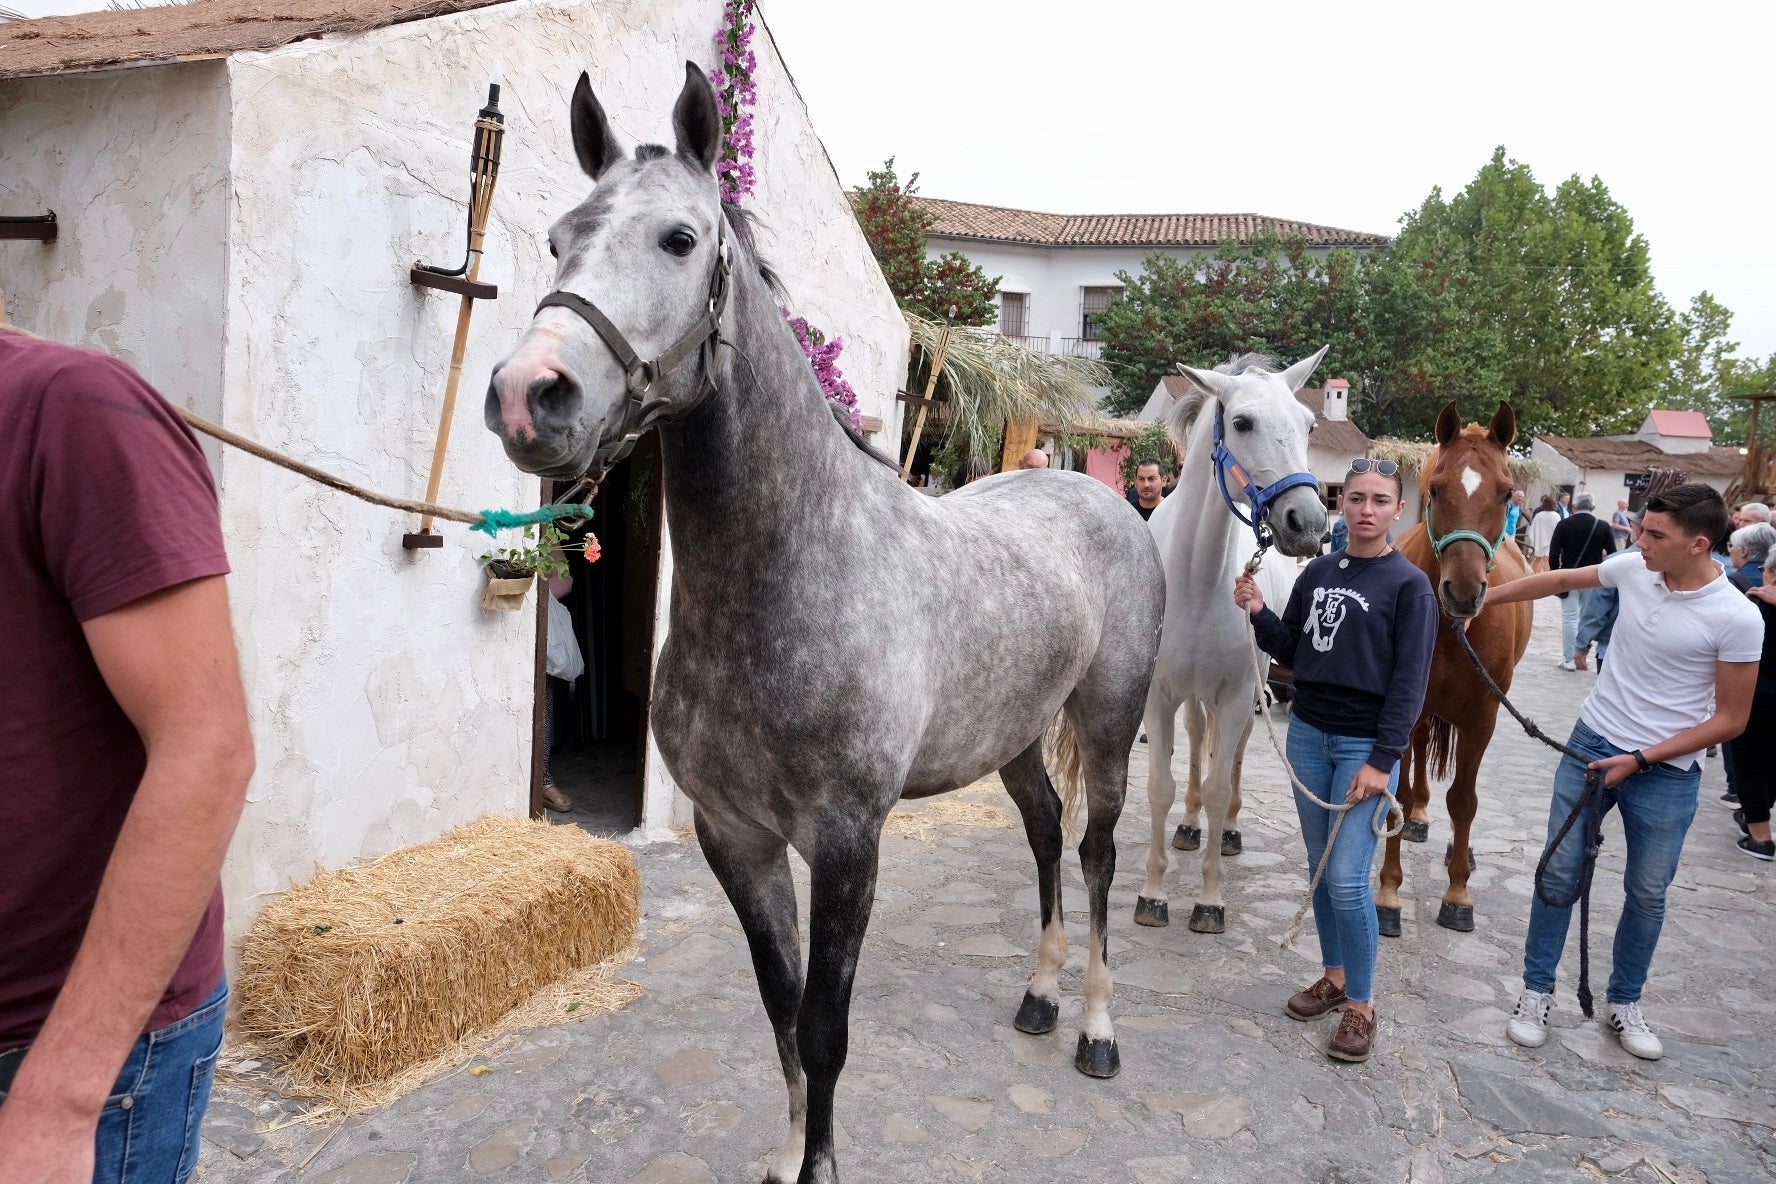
x=1359 y=639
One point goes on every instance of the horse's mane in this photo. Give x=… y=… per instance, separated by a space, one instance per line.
x=1183 y=415
x=745 y=224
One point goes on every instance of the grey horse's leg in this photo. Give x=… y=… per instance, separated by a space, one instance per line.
x=843 y=889
x=753 y=868
x=1026 y=780
x=1104 y=756
x=1162 y=791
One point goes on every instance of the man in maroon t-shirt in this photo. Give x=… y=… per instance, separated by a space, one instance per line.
x=124 y=759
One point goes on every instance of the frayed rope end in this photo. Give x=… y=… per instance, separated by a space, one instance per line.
x=493 y=521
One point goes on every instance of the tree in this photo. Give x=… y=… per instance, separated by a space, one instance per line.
x=896 y=227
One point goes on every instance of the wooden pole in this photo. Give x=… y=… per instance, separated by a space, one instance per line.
x=449 y=412
x=937 y=361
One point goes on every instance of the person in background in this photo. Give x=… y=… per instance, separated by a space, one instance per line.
x=1514 y=513
x=1034 y=459
x=1619 y=522
x=563 y=665
x=1149 y=486
x=1520 y=503
x=1358 y=632
x=1750 y=513
x=1754 y=749
x=1599 y=619
x=1541 y=531
x=1682 y=670
x=1579 y=541
x=1748 y=548
x=1563 y=505
x=126 y=752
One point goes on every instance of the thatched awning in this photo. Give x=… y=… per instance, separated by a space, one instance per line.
x=1412 y=455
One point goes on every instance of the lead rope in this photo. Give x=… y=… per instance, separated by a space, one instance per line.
x=1590 y=804
x=1382 y=831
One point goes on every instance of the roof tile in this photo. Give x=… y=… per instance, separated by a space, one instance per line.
x=959 y=219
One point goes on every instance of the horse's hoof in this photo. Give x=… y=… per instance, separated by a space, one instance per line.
x=1449 y=853
x=1416 y=832
x=1097 y=1058
x=1208 y=918
x=1459 y=917
x=1388 y=920
x=1152 y=913
x=1037 y=1016
x=1187 y=838
x=1230 y=842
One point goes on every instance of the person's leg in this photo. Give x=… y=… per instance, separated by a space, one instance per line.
x=148 y=1130
x=1310 y=756
x=1548 y=923
x=1657 y=808
x=1754 y=755
x=1347 y=882
x=1570 y=610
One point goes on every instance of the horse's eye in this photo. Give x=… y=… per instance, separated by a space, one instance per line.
x=1433 y=491
x=1241 y=424
x=553 y=253
x=679 y=242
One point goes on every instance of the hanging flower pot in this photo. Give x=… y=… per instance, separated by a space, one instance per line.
x=512 y=570
x=507 y=586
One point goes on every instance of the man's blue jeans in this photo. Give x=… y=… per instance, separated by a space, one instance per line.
x=1657 y=807
x=1344 y=902
x=148 y=1130
x=1571 y=609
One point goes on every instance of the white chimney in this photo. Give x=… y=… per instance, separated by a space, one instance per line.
x=1336 y=400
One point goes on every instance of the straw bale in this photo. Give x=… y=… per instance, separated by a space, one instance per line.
x=365 y=975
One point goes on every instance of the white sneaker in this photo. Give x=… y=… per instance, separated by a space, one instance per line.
x=1528 y=1025
x=1631 y=1029
x=1566 y=664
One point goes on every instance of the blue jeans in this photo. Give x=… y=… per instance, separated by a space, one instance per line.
x=148 y=1130
x=1344 y=902
x=1657 y=808
x=1571 y=609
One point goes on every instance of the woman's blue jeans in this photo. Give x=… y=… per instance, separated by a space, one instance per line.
x=1344 y=902
x=149 y=1128
x=1657 y=808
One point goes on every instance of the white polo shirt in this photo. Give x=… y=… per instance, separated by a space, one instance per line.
x=1659 y=679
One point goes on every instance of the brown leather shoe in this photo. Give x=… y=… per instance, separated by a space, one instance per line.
x=1354 y=1038
x=1316 y=1001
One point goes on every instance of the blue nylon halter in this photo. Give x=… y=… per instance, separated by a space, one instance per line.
x=1259 y=496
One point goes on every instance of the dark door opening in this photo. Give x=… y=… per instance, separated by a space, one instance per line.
x=601 y=719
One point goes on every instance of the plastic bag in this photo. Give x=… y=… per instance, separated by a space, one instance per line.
x=564 y=659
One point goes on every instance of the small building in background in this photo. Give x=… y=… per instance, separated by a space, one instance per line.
x=1611 y=468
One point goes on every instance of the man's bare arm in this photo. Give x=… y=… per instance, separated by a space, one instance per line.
x=1547 y=583
x=169 y=660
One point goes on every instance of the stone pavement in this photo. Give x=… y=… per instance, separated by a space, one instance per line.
x=1217 y=1084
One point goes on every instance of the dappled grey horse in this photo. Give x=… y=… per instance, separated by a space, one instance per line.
x=837 y=641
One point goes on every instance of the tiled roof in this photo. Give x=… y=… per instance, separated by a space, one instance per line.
x=1682 y=423
x=201 y=28
x=960 y=219
x=1335 y=435
x=1638 y=456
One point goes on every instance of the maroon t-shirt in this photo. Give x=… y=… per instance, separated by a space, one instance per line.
x=104 y=498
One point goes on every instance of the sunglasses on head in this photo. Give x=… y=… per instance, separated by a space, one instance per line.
x=1363 y=464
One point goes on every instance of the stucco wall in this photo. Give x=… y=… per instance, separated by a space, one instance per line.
x=134 y=163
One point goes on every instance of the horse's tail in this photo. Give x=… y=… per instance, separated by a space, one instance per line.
x=1440 y=750
x=1063 y=758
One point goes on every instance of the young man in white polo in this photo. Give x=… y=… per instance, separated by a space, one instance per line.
x=1682 y=669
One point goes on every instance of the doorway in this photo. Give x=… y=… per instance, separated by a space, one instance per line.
x=598 y=759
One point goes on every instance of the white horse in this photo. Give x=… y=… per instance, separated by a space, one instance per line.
x=1244 y=474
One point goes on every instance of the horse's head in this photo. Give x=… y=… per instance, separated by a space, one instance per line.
x=647 y=253
x=1467 y=491
x=1264 y=427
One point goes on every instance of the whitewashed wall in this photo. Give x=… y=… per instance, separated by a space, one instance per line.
x=241 y=231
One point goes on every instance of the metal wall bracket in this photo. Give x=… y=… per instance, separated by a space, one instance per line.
x=41 y=227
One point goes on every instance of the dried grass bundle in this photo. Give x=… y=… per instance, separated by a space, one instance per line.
x=923 y=820
x=360 y=978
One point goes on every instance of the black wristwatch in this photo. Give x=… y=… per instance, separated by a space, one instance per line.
x=1640 y=759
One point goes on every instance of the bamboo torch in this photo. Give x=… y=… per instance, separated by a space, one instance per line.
x=937 y=361
x=484 y=164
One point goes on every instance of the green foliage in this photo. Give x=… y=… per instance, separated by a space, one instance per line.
x=896 y=228
x=1708 y=372
x=1505 y=291
x=544 y=557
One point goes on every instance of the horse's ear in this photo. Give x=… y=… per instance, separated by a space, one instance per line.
x=1213 y=382
x=1504 y=425
x=593 y=142
x=1296 y=376
x=1449 y=424
x=695 y=120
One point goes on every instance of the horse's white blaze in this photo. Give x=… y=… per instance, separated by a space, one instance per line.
x=1098 y=985
x=1470 y=480
x=1051 y=955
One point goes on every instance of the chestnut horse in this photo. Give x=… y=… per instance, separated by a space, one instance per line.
x=1462 y=546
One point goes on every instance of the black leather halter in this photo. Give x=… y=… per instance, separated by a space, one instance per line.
x=641 y=411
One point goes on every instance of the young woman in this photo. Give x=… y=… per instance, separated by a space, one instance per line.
x=1541 y=533
x=1358 y=633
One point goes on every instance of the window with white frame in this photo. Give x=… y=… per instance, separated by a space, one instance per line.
x=1094 y=301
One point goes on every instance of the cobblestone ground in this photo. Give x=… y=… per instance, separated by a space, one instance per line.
x=1217 y=1083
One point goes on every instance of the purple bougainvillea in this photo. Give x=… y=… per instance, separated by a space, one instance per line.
x=823 y=355
x=734 y=93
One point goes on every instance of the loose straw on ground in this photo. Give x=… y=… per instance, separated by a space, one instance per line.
x=924 y=820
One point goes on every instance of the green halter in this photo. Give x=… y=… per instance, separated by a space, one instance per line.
x=1441 y=543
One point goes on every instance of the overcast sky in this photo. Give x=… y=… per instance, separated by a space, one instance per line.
x=1339 y=113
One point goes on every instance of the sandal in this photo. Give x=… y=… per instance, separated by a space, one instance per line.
x=555 y=800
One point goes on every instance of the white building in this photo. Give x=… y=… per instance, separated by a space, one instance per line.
x=1611 y=468
x=237 y=214
x=1057 y=271
x=1334 y=442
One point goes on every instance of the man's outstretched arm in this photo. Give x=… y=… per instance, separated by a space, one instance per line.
x=1545 y=583
x=169 y=661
